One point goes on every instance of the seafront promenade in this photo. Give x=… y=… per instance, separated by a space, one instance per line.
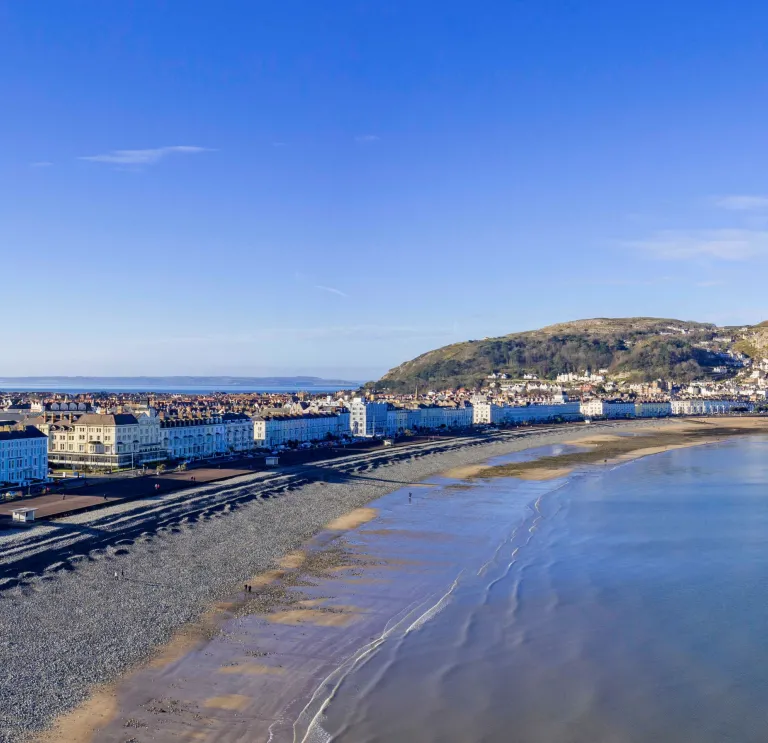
x=77 y=495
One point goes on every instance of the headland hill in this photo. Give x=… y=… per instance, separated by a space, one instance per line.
x=631 y=350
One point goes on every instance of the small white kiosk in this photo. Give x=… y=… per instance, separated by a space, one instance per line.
x=270 y=461
x=24 y=515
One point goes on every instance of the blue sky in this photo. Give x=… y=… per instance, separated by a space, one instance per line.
x=332 y=188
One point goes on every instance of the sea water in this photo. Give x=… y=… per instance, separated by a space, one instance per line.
x=621 y=605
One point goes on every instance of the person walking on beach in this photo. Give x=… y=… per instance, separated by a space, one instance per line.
x=409 y=497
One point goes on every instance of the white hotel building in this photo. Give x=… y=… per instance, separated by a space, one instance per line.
x=200 y=438
x=607 y=409
x=435 y=417
x=488 y=413
x=710 y=407
x=368 y=418
x=106 y=441
x=280 y=430
x=238 y=428
x=23 y=456
x=193 y=438
x=383 y=419
x=653 y=409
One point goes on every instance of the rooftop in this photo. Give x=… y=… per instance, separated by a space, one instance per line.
x=29 y=432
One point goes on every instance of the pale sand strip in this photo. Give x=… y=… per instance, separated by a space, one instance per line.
x=82 y=723
x=353 y=519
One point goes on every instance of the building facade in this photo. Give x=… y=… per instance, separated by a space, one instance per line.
x=486 y=413
x=238 y=430
x=103 y=441
x=194 y=438
x=607 y=409
x=653 y=409
x=710 y=407
x=367 y=418
x=281 y=430
x=23 y=456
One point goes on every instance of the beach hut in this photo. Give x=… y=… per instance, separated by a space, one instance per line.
x=271 y=461
x=23 y=515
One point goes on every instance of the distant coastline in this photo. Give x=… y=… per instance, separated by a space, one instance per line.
x=174 y=384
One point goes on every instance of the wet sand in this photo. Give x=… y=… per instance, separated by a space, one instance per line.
x=253 y=665
x=257 y=663
x=614 y=448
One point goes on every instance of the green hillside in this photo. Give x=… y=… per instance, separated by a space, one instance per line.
x=636 y=348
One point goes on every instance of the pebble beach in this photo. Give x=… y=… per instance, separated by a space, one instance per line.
x=87 y=598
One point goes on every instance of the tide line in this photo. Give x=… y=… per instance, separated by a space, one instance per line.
x=314 y=732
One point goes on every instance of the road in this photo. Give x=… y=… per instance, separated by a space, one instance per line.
x=57 y=545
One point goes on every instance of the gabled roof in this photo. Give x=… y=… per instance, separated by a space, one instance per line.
x=104 y=419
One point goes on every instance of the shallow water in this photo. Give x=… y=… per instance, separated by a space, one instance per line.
x=617 y=606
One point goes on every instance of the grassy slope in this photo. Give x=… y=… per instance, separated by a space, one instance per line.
x=639 y=348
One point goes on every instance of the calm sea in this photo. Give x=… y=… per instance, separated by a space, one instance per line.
x=618 y=606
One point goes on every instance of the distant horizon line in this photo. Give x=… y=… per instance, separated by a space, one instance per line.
x=196 y=377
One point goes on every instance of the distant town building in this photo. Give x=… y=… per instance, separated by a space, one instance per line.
x=63 y=408
x=22 y=407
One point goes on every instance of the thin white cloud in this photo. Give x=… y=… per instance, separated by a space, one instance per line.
x=331 y=290
x=723 y=244
x=369 y=332
x=143 y=157
x=708 y=284
x=367 y=138
x=41 y=164
x=742 y=203
x=655 y=281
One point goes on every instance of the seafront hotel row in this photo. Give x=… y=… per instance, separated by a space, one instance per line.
x=79 y=438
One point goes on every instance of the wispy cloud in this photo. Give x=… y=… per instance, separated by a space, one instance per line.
x=742 y=203
x=143 y=157
x=723 y=244
x=326 y=333
x=708 y=284
x=331 y=290
x=41 y=164
x=611 y=281
x=367 y=138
